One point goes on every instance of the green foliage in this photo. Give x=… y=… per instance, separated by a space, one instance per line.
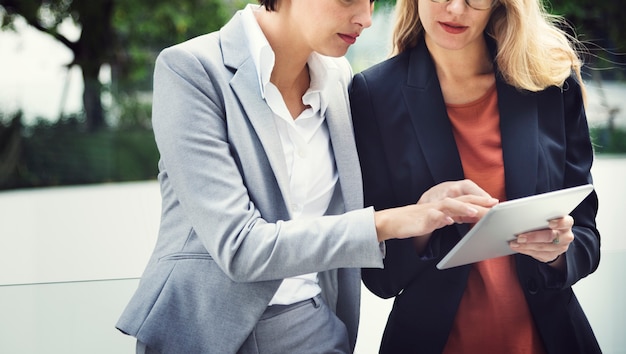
x=608 y=140
x=136 y=111
x=62 y=154
x=127 y=35
x=601 y=27
x=145 y=27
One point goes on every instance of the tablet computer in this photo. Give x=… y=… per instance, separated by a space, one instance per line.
x=490 y=236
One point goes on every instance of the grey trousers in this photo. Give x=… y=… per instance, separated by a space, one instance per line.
x=141 y=348
x=306 y=327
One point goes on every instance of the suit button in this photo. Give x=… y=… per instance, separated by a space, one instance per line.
x=532 y=287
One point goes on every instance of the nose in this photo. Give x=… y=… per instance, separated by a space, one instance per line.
x=456 y=6
x=364 y=11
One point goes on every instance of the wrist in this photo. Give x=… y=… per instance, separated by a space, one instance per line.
x=380 y=222
x=554 y=260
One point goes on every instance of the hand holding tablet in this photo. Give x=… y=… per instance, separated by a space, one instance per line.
x=490 y=237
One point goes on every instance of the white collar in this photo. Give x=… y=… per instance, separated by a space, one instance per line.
x=322 y=69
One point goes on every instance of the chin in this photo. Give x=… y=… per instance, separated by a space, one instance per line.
x=338 y=52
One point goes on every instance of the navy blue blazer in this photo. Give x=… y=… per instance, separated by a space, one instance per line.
x=405 y=144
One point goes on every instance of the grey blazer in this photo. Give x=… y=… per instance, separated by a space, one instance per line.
x=226 y=239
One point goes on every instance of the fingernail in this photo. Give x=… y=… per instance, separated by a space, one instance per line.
x=521 y=239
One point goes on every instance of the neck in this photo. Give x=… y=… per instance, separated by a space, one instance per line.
x=290 y=74
x=463 y=64
x=464 y=75
x=290 y=66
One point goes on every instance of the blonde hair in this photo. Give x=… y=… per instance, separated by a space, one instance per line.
x=533 y=53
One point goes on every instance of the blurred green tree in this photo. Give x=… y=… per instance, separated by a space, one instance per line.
x=605 y=21
x=124 y=34
x=601 y=26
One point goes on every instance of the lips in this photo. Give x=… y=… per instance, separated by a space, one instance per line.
x=453 y=28
x=349 y=38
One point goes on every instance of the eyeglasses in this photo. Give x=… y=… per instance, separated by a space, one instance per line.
x=474 y=4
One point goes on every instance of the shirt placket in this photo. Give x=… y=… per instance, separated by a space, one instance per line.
x=300 y=173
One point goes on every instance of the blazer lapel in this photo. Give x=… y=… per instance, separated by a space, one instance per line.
x=519 y=126
x=429 y=118
x=344 y=148
x=245 y=85
x=427 y=110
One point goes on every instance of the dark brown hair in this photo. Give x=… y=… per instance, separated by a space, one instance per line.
x=270 y=5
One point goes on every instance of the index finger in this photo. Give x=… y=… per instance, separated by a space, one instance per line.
x=482 y=201
x=467 y=208
x=469 y=187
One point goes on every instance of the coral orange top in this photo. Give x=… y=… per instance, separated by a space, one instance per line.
x=493 y=316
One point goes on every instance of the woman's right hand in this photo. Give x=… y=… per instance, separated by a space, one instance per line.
x=460 y=190
x=444 y=204
x=452 y=189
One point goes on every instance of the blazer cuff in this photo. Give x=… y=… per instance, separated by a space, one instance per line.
x=553 y=279
x=375 y=250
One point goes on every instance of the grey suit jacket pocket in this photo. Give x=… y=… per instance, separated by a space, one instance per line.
x=186 y=256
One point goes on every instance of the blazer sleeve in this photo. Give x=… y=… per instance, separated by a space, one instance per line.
x=583 y=254
x=191 y=105
x=401 y=261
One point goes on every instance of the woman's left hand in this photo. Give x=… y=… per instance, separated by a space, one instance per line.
x=549 y=244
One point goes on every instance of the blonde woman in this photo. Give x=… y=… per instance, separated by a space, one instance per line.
x=489 y=91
